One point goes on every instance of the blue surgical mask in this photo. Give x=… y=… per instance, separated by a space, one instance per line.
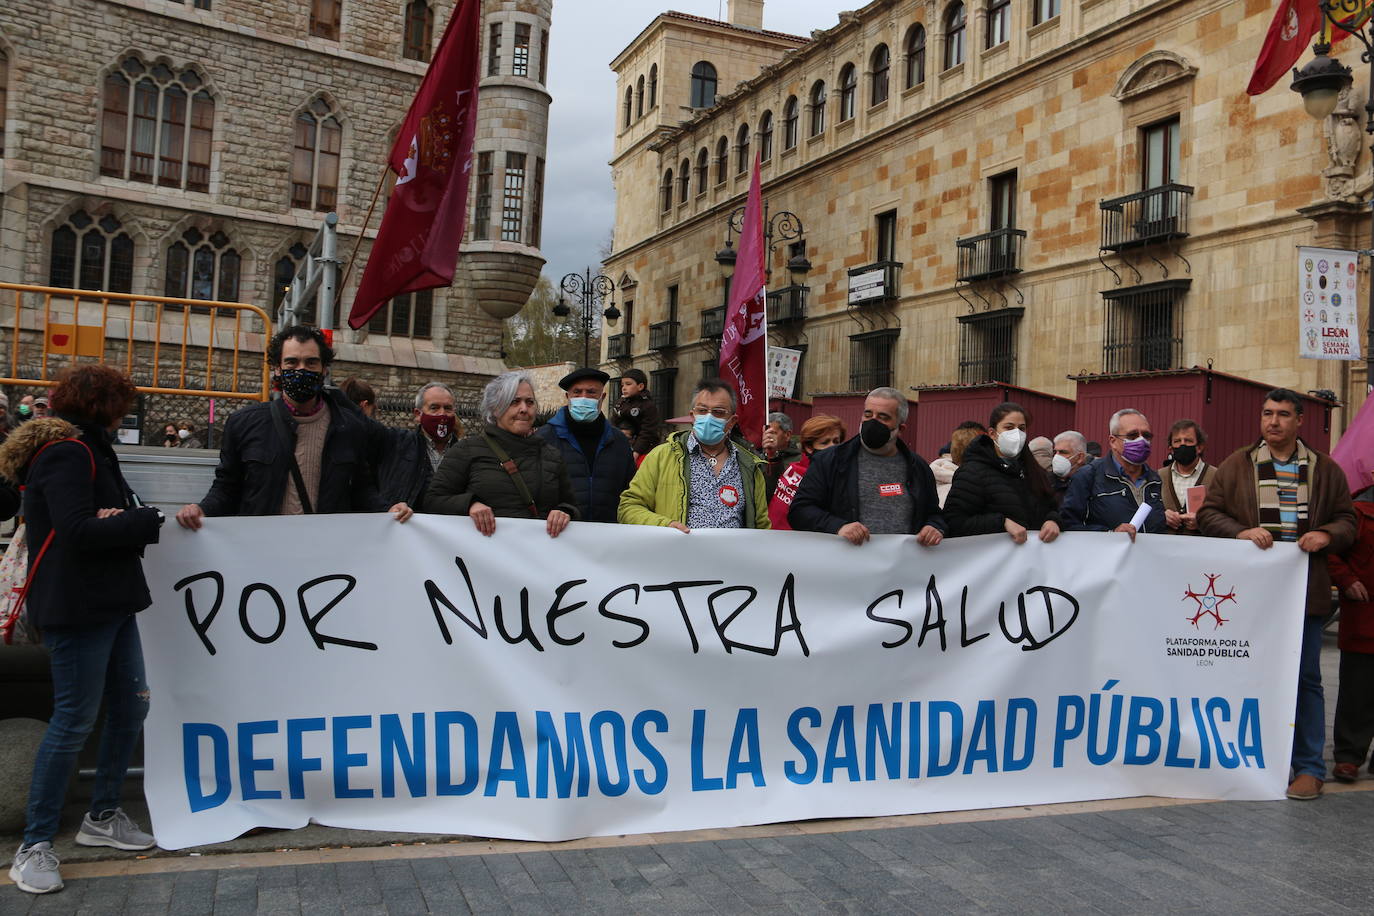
x=708 y=429
x=583 y=410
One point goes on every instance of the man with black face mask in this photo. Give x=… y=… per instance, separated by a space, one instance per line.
x=872 y=484
x=303 y=453
x=1185 y=470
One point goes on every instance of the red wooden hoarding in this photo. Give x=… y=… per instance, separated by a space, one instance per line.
x=946 y=406
x=849 y=407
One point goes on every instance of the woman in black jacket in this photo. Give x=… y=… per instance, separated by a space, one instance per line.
x=472 y=479
x=86 y=533
x=1000 y=486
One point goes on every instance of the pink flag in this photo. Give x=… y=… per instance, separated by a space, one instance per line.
x=1355 y=452
x=744 y=343
x=417 y=246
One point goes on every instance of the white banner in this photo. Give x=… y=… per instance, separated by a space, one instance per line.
x=1328 y=292
x=621 y=679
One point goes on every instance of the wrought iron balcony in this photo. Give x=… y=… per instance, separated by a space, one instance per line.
x=787 y=304
x=992 y=254
x=663 y=335
x=874 y=284
x=1146 y=217
x=618 y=346
x=712 y=323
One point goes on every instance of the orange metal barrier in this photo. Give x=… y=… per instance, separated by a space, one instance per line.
x=166 y=345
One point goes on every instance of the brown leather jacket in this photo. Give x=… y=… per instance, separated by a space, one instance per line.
x=1233 y=506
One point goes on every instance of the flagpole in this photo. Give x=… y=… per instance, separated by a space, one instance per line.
x=362 y=233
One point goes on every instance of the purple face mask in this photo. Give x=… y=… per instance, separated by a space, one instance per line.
x=1136 y=451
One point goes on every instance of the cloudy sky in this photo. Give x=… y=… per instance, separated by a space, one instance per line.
x=579 y=207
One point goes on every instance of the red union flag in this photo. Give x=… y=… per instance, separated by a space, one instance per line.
x=1295 y=22
x=417 y=246
x=744 y=342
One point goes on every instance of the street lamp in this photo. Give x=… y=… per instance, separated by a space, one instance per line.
x=783 y=226
x=588 y=291
x=1320 y=83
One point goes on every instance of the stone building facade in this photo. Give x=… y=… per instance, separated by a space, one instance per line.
x=161 y=147
x=1020 y=191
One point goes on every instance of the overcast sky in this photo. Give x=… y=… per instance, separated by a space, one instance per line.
x=586 y=35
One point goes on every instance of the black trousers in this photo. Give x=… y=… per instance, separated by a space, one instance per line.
x=1354 y=727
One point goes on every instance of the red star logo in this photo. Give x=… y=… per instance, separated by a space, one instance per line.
x=1209 y=601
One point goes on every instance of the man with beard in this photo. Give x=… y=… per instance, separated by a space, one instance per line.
x=598 y=456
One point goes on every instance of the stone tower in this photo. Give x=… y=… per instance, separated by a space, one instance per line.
x=501 y=260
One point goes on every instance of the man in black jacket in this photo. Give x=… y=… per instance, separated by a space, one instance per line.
x=409 y=457
x=597 y=455
x=303 y=453
x=872 y=484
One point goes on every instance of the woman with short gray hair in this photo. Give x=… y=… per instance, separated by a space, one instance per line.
x=473 y=479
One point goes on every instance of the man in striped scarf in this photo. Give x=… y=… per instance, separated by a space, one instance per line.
x=1281 y=489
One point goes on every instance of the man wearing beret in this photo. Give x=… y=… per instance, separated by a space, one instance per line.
x=598 y=456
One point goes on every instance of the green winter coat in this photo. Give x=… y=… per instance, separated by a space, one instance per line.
x=658 y=493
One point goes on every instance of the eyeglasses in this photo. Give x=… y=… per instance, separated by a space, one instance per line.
x=1138 y=435
x=720 y=413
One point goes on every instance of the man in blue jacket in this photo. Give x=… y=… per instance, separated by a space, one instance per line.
x=1105 y=495
x=598 y=456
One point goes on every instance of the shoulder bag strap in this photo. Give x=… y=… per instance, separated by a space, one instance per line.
x=280 y=423
x=509 y=467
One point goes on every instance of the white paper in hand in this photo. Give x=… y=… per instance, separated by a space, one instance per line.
x=1138 y=520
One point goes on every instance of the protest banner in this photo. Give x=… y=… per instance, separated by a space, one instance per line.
x=621 y=679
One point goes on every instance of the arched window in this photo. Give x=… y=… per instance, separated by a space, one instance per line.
x=818 y=108
x=653 y=87
x=954 y=35
x=915 y=55
x=90 y=254
x=201 y=267
x=639 y=97
x=790 y=116
x=703 y=85
x=742 y=148
x=629 y=104
x=684 y=180
x=999 y=22
x=284 y=272
x=315 y=160
x=766 y=136
x=879 y=63
x=849 y=82
x=667 y=189
x=722 y=158
x=419 y=30
x=702 y=170
x=145 y=132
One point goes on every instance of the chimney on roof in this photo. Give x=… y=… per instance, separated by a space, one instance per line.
x=747 y=13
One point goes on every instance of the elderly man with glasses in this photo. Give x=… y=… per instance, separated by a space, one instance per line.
x=1106 y=495
x=700 y=477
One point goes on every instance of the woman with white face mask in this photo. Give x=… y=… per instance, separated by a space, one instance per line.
x=1000 y=486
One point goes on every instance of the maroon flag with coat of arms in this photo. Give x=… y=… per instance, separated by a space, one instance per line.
x=744 y=341
x=1294 y=24
x=417 y=245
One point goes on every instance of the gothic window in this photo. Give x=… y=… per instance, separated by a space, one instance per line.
x=419 y=30
x=201 y=267
x=315 y=158
x=156 y=126
x=284 y=272
x=703 y=85
x=880 y=63
x=494 y=50
x=653 y=87
x=915 y=55
x=666 y=192
x=537 y=204
x=521 y=63
x=481 y=219
x=513 y=197
x=818 y=108
x=684 y=180
x=766 y=136
x=639 y=97
x=849 y=83
x=325 y=16
x=701 y=170
x=543 y=56
x=954 y=35
x=742 y=148
x=722 y=159
x=999 y=22
x=92 y=254
x=789 y=123
x=406 y=315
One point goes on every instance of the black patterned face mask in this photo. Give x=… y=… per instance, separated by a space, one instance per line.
x=300 y=385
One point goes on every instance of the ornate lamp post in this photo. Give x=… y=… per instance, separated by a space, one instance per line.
x=783 y=226
x=588 y=291
x=1320 y=83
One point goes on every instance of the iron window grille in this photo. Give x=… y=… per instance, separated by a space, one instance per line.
x=987 y=346
x=1143 y=327
x=871 y=358
x=713 y=323
x=661 y=385
x=618 y=346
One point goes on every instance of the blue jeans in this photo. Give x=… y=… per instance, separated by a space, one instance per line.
x=1309 y=722
x=88 y=664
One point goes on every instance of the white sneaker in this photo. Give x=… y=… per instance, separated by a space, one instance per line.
x=35 y=869
x=114 y=828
